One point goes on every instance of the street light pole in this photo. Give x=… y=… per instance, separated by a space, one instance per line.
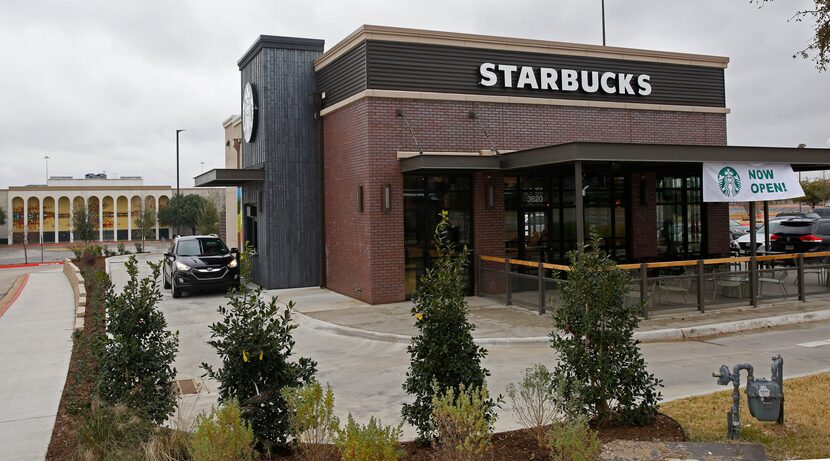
x=178 y=194
x=603 y=22
x=46 y=157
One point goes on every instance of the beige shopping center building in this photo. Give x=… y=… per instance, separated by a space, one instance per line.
x=44 y=212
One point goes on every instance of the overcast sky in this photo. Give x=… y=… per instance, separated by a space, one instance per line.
x=103 y=85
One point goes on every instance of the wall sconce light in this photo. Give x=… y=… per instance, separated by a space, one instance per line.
x=359 y=198
x=491 y=197
x=387 y=197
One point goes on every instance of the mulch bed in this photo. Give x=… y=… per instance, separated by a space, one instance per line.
x=78 y=390
x=520 y=445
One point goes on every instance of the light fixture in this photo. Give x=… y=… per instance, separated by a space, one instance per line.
x=491 y=196
x=359 y=199
x=387 y=197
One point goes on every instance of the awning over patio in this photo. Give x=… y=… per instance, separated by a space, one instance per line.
x=801 y=159
x=224 y=177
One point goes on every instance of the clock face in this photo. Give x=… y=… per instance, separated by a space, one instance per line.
x=249 y=112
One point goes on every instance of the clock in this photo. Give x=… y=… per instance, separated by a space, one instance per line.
x=249 y=112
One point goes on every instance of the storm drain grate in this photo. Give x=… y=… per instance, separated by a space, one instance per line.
x=188 y=386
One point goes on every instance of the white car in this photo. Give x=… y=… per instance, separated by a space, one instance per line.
x=742 y=243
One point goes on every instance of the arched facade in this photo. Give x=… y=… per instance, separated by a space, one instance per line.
x=43 y=213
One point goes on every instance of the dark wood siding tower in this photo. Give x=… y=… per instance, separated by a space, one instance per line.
x=285 y=146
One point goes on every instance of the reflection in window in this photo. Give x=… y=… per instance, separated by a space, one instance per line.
x=679 y=222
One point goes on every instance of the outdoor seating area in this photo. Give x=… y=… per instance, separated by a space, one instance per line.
x=693 y=284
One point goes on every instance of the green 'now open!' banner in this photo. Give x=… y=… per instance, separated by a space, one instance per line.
x=748 y=182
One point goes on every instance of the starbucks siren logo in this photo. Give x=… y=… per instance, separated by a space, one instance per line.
x=729 y=181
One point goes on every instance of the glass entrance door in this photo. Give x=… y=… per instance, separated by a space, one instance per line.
x=425 y=196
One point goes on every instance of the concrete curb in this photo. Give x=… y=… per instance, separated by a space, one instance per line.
x=652 y=336
x=73 y=274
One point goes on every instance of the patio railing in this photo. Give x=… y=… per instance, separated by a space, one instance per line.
x=660 y=286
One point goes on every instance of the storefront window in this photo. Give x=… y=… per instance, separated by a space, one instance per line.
x=539 y=217
x=605 y=213
x=679 y=224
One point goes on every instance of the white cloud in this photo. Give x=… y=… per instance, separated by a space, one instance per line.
x=101 y=85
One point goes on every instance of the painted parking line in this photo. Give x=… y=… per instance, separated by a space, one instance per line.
x=825 y=342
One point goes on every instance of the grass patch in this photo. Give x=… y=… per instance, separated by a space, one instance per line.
x=804 y=435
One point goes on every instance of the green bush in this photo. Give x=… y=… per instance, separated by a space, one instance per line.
x=372 y=442
x=312 y=420
x=137 y=353
x=77 y=251
x=443 y=354
x=122 y=249
x=112 y=432
x=139 y=247
x=536 y=403
x=573 y=440
x=222 y=435
x=463 y=423
x=600 y=364
x=254 y=343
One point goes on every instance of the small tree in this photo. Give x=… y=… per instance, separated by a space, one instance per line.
x=137 y=353
x=85 y=226
x=145 y=224
x=443 y=353
x=816 y=192
x=600 y=364
x=208 y=218
x=819 y=45
x=254 y=343
x=183 y=210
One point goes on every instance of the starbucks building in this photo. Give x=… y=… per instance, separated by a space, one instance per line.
x=532 y=146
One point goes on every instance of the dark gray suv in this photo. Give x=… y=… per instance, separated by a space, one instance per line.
x=200 y=262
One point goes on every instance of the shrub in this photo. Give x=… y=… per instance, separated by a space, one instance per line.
x=373 y=442
x=463 y=423
x=443 y=353
x=535 y=402
x=90 y=252
x=139 y=247
x=254 y=343
x=112 y=432
x=222 y=435
x=122 y=249
x=312 y=420
x=594 y=340
x=78 y=251
x=108 y=252
x=137 y=353
x=573 y=440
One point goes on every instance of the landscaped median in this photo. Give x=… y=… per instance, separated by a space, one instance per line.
x=804 y=435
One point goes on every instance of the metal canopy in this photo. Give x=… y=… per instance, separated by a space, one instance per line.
x=800 y=159
x=229 y=177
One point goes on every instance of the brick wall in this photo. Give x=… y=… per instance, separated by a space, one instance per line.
x=364 y=251
x=488 y=227
x=717 y=227
x=643 y=215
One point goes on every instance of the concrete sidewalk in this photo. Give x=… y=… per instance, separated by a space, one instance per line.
x=330 y=312
x=35 y=347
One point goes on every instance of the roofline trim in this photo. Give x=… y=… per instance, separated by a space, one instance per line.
x=433 y=37
x=283 y=43
x=420 y=95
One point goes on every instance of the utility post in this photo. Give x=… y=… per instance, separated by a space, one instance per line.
x=178 y=194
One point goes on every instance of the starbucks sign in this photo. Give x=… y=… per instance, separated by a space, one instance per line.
x=746 y=182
